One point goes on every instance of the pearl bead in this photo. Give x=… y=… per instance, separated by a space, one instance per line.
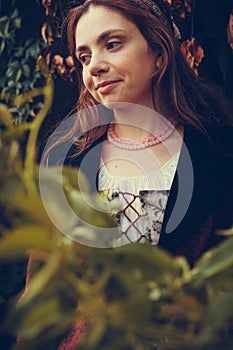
x=134 y=145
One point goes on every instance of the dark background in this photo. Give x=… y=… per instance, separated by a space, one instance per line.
x=210 y=22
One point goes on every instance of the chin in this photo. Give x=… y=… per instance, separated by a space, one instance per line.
x=116 y=105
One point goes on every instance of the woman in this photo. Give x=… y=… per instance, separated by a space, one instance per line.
x=147 y=130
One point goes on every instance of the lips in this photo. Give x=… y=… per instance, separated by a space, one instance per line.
x=106 y=86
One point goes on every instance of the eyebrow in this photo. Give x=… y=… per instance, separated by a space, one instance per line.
x=100 y=38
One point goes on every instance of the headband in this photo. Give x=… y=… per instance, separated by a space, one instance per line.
x=158 y=8
x=160 y=12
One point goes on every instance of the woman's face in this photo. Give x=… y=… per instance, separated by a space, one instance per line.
x=230 y=23
x=118 y=64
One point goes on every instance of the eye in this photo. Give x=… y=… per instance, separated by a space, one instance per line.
x=112 y=44
x=84 y=58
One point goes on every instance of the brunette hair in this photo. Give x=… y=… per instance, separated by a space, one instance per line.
x=177 y=91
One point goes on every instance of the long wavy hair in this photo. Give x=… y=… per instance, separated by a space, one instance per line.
x=177 y=91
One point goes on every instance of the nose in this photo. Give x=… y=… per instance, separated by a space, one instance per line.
x=98 y=66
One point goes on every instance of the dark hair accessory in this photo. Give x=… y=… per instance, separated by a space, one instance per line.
x=160 y=10
x=160 y=13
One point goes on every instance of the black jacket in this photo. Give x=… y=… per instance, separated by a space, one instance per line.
x=200 y=200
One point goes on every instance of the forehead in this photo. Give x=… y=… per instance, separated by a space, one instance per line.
x=99 y=19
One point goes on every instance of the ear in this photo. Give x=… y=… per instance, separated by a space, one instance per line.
x=158 y=63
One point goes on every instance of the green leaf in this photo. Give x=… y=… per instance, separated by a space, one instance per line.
x=20 y=241
x=2 y=46
x=18 y=75
x=5 y=115
x=6 y=29
x=15 y=14
x=18 y=22
x=26 y=70
x=1 y=34
x=42 y=316
x=5 y=90
x=3 y=20
x=75 y=178
x=217 y=318
x=4 y=26
x=10 y=73
x=19 y=52
x=18 y=85
x=11 y=83
x=215 y=261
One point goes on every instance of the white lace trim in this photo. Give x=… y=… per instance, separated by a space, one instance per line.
x=160 y=180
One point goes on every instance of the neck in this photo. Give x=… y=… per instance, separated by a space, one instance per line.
x=137 y=122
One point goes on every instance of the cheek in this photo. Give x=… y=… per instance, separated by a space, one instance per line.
x=123 y=62
x=139 y=59
x=86 y=81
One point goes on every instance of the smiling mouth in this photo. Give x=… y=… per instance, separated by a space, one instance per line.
x=107 y=86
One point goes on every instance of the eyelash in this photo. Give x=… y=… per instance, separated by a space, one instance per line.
x=112 y=43
x=108 y=46
x=82 y=58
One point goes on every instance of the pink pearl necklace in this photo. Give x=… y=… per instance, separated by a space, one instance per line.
x=129 y=144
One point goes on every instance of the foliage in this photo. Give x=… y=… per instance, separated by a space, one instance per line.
x=17 y=73
x=134 y=297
